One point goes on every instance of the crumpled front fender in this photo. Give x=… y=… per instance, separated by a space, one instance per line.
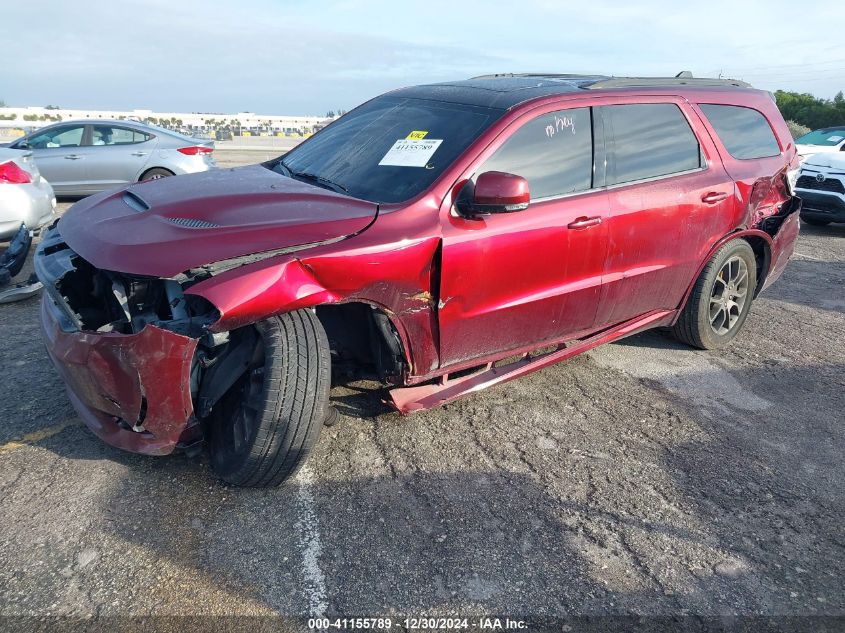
x=246 y=296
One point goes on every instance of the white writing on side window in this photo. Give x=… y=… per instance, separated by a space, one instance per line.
x=410 y=152
x=560 y=123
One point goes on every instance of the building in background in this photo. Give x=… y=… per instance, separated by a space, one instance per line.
x=192 y=123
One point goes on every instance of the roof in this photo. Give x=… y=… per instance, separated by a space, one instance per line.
x=506 y=90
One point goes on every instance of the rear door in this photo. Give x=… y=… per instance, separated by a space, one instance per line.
x=58 y=152
x=117 y=155
x=514 y=280
x=670 y=200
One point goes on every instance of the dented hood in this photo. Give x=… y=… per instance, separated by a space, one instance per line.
x=164 y=227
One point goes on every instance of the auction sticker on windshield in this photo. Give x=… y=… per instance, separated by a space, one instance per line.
x=410 y=152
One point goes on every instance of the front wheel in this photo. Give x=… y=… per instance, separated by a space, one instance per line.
x=265 y=426
x=721 y=298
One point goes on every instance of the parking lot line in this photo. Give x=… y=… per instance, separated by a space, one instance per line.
x=37 y=436
x=309 y=539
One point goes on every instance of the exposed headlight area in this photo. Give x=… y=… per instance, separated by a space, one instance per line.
x=96 y=300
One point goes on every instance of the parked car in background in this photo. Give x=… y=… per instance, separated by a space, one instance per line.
x=824 y=141
x=86 y=157
x=26 y=198
x=440 y=239
x=821 y=186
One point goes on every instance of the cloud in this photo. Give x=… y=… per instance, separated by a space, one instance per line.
x=302 y=57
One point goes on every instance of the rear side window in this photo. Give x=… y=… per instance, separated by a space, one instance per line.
x=744 y=132
x=107 y=135
x=648 y=140
x=553 y=152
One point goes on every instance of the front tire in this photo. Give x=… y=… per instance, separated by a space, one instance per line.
x=721 y=298
x=265 y=426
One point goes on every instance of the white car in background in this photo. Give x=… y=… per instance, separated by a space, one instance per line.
x=80 y=158
x=823 y=141
x=821 y=187
x=25 y=197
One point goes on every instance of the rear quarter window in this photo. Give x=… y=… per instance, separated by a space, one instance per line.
x=648 y=140
x=744 y=132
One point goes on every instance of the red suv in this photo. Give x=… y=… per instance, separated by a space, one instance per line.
x=440 y=239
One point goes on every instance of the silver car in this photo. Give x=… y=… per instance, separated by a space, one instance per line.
x=25 y=197
x=84 y=157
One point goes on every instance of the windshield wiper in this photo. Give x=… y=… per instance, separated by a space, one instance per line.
x=287 y=171
x=318 y=180
x=304 y=175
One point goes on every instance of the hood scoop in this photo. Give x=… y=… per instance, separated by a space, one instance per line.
x=135 y=202
x=163 y=227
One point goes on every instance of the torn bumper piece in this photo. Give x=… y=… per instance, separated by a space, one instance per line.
x=132 y=390
x=127 y=373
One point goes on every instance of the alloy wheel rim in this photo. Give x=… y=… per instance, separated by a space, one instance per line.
x=728 y=295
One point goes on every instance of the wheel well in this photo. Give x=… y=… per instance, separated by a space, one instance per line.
x=364 y=343
x=146 y=171
x=763 y=256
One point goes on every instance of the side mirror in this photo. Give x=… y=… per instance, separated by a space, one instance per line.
x=22 y=144
x=493 y=192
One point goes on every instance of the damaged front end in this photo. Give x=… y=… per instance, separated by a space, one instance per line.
x=127 y=348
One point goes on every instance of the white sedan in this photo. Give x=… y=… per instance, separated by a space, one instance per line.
x=25 y=197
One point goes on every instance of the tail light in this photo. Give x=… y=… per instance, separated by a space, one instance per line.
x=195 y=149
x=11 y=173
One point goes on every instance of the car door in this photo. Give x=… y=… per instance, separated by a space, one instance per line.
x=58 y=153
x=117 y=155
x=514 y=280
x=670 y=200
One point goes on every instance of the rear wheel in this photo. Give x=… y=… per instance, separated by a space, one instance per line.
x=156 y=173
x=721 y=298
x=268 y=422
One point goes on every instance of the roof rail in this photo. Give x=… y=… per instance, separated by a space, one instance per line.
x=645 y=82
x=542 y=75
x=592 y=82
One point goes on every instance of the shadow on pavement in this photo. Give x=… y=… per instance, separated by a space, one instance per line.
x=754 y=502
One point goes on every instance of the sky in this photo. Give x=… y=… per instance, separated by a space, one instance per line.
x=306 y=57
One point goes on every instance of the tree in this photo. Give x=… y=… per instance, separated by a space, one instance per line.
x=330 y=114
x=2 y=104
x=815 y=113
x=52 y=107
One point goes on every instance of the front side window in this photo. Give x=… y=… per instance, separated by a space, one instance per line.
x=744 y=132
x=389 y=149
x=553 y=152
x=648 y=140
x=58 y=137
x=107 y=135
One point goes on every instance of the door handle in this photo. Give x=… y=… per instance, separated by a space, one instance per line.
x=712 y=197
x=140 y=153
x=73 y=157
x=584 y=222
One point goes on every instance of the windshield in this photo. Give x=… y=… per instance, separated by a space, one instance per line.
x=389 y=149
x=828 y=136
